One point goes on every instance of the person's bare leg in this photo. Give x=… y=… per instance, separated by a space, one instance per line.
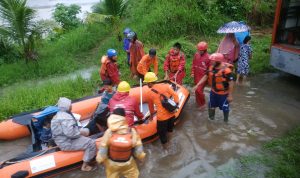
x=237 y=79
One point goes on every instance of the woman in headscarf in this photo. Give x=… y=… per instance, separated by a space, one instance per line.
x=229 y=47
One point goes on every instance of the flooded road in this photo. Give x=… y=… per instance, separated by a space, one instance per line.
x=266 y=109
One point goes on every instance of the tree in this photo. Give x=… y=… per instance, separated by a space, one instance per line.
x=110 y=7
x=66 y=15
x=18 y=26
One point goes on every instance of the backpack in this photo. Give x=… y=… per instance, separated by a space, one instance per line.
x=166 y=102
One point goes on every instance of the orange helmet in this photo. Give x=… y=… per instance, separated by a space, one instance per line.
x=202 y=46
x=217 y=57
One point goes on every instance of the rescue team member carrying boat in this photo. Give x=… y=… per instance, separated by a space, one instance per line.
x=67 y=134
x=220 y=78
x=174 y=65
x=118 y=146
x=165 y=118
x=122 y=100
x=109 y=68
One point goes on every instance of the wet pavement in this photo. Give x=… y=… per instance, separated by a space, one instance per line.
x=265 y=109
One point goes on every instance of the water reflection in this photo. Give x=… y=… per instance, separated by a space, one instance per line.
x=45 y=8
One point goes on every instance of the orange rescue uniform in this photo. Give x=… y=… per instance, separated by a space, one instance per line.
x=145 y=63
x=153 y=98
x=218 y=78
x=136 y=50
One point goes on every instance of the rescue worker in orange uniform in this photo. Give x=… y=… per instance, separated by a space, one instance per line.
x=136 y=50
x=119 y=146
x=200 y=67
x=174 y=65
x=165 y=119
x=109 y=68
x=122 y=100
x=220 y=78
x=145 y=63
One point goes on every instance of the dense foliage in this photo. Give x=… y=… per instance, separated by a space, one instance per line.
x=66 y=15
x=18 y=28
x=110 y=7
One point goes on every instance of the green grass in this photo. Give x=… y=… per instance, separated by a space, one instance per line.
x=33 y=96
x=261 y=54
x=70 y=52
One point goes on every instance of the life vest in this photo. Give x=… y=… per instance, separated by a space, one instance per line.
x=103 y=69
x=174 y=62
x=217 y=78
x=120 y=147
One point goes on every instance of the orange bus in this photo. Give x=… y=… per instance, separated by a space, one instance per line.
x=285 y=49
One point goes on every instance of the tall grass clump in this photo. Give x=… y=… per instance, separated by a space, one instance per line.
x=26 y=98
x=64 y=55
x=159 y=20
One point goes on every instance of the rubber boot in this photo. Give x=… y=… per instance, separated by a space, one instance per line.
x=211 y=113
x=226 y=115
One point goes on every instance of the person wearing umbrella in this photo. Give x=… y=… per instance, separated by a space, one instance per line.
x=229 y=45
x=220 y=78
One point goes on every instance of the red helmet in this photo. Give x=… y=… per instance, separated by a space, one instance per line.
x=217 y=57
x=201 y=46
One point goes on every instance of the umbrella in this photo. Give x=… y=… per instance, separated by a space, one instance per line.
x=233 y=27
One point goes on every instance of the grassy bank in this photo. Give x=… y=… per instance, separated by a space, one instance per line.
x=70 y=52
x=278 y=158
x=26 y=98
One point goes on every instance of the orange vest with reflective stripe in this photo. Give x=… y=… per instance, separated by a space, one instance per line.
x=120 y=147
x=217 y=78
x=174 y=63
x=104 y=62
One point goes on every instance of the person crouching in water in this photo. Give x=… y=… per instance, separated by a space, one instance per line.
x=119 y=146
x=220 y=78
x=200 y=67
x=165 y=118
x=122 y=99
x=67 y=134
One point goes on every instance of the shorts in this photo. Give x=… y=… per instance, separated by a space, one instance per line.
x=216 y=100
x=163 y=127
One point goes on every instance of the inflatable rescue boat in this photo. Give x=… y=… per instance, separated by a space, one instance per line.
x=52 y=161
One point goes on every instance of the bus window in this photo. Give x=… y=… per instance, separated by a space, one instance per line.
x=288 y=30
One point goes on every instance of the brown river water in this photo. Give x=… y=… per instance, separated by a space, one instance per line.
x=265 y=109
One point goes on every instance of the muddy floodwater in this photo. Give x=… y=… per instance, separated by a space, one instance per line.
x=266 y=109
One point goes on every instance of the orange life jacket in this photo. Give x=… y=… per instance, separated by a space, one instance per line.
x=104 y=62
x=120 y=147
x=174 y=62
x=217 y=78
